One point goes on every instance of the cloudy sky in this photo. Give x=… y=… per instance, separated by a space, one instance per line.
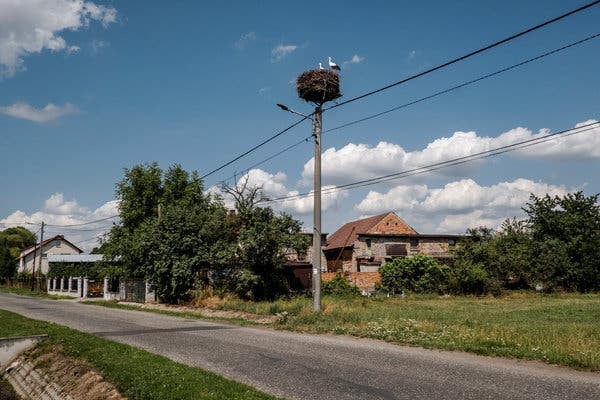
x=88 y=88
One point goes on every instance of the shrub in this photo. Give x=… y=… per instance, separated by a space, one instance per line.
x=471 y=278
x=339 y=286
x=420 y=274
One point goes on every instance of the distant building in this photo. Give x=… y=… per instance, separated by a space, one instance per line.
x=55 y=245
x=365 y=244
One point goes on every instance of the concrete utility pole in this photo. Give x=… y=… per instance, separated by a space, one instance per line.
x=316 y=254
x=33 y=282
x=317 y=121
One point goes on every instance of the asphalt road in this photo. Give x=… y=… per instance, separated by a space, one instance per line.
x=302 y=366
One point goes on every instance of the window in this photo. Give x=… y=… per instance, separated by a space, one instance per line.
x=414 y=242
x=368 y=242
x=452 y=242
x=74 y=284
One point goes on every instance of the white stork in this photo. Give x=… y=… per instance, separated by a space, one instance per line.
x=333 y=65
x=321 y=66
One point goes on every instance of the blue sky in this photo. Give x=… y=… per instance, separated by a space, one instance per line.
x=196 y=83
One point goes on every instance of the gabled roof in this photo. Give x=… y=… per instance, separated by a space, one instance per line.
x=28 y=250
x=348 y=233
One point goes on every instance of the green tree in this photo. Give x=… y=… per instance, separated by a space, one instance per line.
x=573 y=220
x=8 y=264
x=12 y=241
x=263 y=239
x=419 y=274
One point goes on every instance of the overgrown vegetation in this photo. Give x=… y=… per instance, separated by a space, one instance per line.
x=12 y=241
x=182 y=239
x=556 y=248
x=136 y=373
x=339 y=286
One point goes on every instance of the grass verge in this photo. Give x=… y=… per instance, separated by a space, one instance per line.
x=31 y=293
x=560 y=329
x=136 y=373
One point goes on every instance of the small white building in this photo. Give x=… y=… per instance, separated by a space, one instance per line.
x=56 y=245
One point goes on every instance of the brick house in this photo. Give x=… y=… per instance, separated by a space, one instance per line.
x=299 y=264
x=365 y=244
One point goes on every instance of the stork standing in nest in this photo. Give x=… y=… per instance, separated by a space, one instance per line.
x=333 y=65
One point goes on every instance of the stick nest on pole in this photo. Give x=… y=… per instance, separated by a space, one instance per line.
x=319 y=86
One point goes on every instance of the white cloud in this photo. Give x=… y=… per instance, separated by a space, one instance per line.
x=59 y=211
x=460 y=204
x=49 y=113
x=279 y=52
x=356 y=59
x=274 y=186
x=245 y=40
x=32 y=26
x=385 y=158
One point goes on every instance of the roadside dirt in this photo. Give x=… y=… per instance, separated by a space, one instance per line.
x=75 y=377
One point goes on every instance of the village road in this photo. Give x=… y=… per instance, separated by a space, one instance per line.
x=302 y=366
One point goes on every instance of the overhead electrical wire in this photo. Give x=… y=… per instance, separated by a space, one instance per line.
x=464 y=84
x=70 y=225
x=446 y=163
x=428 y=71
x=466 y=56
x=422 y=99
x=228 y=163
x=258 y=164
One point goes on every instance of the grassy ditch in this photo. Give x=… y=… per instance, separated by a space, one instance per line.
x=136 y=373
x=559 y=329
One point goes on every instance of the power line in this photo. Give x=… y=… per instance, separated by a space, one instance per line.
x=88 y=239
x=256 y=147
x=290 y=147
x=464 y=84
x=62 y=229
x=422 y=99
x=464 y=57
x=447 y=163
x=468 y=55
x=80 y=224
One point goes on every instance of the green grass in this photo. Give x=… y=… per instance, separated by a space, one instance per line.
x=561 y=329
x=32 y=293
x=136 y=373
x=173 y=313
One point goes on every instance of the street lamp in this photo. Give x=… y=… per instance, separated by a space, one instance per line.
x=316 y=253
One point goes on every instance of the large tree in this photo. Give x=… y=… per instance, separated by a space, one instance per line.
x=12 y=241
x=181 y=238
x=569 y=226
x=263 y=239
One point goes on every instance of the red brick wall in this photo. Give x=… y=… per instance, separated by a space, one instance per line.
x=365 y=281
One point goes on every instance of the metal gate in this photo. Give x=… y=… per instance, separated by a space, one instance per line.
x=135 y=290
x=95 y=288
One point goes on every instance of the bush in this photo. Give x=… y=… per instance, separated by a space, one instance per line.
x=419 y=274
x=339 y=286
x=471 y=278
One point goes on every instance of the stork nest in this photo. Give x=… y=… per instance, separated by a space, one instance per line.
x=319 y=86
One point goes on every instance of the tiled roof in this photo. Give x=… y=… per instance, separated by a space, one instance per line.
x=348 y=233
x=28 y=250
